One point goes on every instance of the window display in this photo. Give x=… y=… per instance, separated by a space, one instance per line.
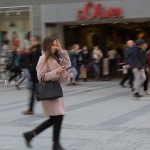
x=15 y=28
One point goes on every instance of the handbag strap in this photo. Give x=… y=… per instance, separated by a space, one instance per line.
x=43 y=78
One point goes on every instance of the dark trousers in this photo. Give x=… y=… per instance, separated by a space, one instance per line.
x=17 y=72
x=128 y=75
x=32 y=97
x=96 y=67
x=56 y=121
x=112 y=64
x=146 y=81
x=78 y=70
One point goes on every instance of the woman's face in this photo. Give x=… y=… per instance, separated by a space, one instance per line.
x=77 y=47
x=85 y=48
x=96 y=47
x=18 y=49
x=54 y=47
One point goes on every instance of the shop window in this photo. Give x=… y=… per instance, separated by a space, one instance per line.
x=14 y=28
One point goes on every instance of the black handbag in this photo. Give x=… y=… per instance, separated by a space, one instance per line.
x=48 y=90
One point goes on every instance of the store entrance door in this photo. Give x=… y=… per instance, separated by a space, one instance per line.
x=89 y=35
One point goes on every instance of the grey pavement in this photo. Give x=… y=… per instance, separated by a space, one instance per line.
x=100 y=116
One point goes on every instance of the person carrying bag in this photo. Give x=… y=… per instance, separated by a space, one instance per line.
x=42 y=90
x=51 y=70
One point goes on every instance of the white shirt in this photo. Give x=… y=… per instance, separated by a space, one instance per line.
x=97 y=54
x=112 y=54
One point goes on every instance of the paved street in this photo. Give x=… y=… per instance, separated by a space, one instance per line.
x=100 y=116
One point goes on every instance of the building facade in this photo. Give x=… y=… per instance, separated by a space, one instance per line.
x=78 y=21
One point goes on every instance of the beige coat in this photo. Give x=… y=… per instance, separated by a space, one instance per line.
x=53 y=107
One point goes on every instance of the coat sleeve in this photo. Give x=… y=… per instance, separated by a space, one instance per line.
x=64 y=77
x=65 y=61
x=42 y=69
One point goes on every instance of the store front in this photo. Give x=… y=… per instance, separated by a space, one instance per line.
x=102 y=23
x=14 y=27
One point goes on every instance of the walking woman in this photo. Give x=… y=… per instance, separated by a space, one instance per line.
x=54 y=68
x=73 y=58
x=96 y=57
x=75 y=49
x=15 y=65
x=25 y=64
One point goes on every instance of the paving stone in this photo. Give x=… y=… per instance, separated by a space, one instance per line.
x=96 y=119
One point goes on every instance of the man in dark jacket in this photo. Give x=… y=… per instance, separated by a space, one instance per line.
x=129 y=74
x=137 y=66
x=36 y=53
x=144 y=57
x=85 y=59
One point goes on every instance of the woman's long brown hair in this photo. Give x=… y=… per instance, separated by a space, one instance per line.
x=46 y=47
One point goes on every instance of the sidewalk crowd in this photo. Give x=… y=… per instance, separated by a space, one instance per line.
x=48 y=59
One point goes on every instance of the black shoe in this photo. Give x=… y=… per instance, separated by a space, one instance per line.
x=73 y=84
x=85 y=79
x=28 y=137
x=137 y=95
x=96 y=80
x=122 y=85
x=57 y=146
x=17 y=87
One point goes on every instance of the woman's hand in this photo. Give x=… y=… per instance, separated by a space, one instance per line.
x=71 y=75
x=59 y=48
x=60 y=70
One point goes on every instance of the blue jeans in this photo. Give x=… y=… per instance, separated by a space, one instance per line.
x=74 y=71
x=27 y=76
x=78 y=71
x=87 y=67
x=96 y=70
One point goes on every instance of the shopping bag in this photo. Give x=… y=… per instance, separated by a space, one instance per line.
x=83 y=73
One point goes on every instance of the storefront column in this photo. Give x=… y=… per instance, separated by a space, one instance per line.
x=57 y=31
x=104 y=34
x=36 y=23
x=60 y=31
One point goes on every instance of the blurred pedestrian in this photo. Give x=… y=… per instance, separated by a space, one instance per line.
x=14 y=65
x=148 y=61
x=73 y=57
x=129 y=74
x=25 y=66
x=112 y=55
x=5 y=40
x=137 y=66
x=15 y=40
x=145 y=64
x=27 y=39
x=96 y=58
x=76 y=49
x=53 y=69
x=85 y=60
x=35 y=54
